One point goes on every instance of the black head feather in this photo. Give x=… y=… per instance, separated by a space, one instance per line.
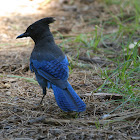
x=38 y=29
x=46 y=20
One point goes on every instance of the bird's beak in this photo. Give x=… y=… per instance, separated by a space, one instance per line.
x=23 y=35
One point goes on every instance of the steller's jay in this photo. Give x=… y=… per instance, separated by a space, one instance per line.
x=51 y=66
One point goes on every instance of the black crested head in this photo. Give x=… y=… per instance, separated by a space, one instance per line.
x=45 y=21
x=38 y=29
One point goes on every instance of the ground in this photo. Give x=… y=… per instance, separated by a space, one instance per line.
x=93 y=35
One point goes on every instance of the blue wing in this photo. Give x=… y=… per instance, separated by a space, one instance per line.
x=54 y=71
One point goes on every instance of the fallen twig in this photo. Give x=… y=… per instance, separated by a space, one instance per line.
x=37 y=120
x=53 y=121
x=91 y=60
x=113 y=96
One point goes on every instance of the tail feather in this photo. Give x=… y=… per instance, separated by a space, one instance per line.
x=68 y=100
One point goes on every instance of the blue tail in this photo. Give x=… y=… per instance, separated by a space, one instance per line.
x=68 y=100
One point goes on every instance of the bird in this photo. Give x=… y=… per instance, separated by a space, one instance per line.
x=50 y=66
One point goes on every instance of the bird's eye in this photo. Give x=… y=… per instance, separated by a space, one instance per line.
x=31 y=28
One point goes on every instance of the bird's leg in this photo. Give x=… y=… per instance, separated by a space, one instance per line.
x=44 y=93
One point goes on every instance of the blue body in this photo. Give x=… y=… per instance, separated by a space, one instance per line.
x=54 y=74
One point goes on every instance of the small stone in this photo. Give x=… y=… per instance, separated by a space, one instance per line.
x=110 y=137
x=8 y=93
x=62 y=138
x=56 y=131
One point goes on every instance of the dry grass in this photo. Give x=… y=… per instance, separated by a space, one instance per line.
x=20 y=114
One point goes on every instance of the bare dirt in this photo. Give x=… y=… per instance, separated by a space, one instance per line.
x=20 y=114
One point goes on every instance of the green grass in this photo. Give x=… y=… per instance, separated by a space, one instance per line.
x=91 y=40
x=127 y=19
x=30 y=80
x=124 y=77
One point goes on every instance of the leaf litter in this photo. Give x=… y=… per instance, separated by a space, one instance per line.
x=22 y=117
